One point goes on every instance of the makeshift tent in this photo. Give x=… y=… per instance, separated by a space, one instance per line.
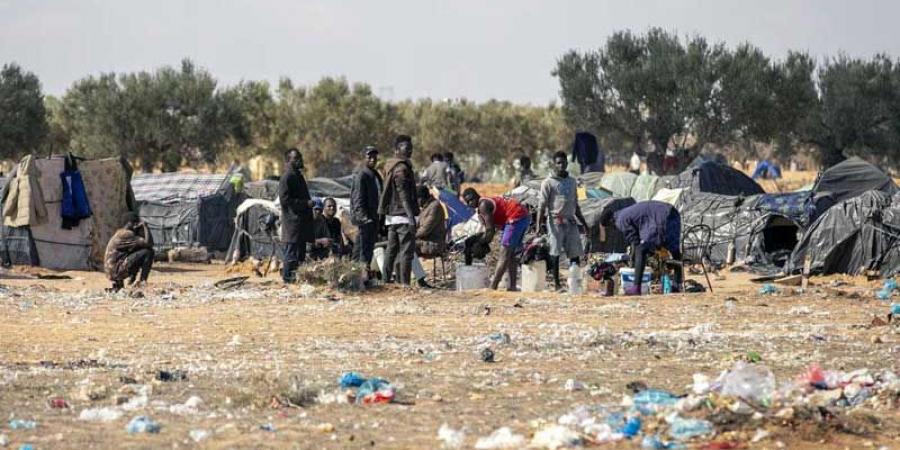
x=264 y=189
x=717 y=158
x=854 y=236
x=40 y=239
x=187 y=209
x=851 y=178
x=645 y=187
x=257 y=231
x=728 y=218
x=329 y=187
x=16 y=244
x=619 y=183
x=715 y=178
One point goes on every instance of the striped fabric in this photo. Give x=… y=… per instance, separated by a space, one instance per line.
x=176 y=187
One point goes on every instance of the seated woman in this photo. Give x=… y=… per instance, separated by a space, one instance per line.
x=320 y=247
x=431 y=234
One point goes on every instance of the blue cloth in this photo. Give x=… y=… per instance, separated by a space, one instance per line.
x=74 y=204
x=457 y=211
x=767 y=170
x=654 y=223
x=514 y=233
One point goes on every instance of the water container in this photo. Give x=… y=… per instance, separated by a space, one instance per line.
x=534 y=276
x=626 y=280
x=471 y=277
x=576 y=282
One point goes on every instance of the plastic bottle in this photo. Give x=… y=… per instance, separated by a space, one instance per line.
x=749 y=381
x=895 y=309
x=684 y=429
x=666 y=284
x=575 y=279
x=631 y=428
x=651 y=401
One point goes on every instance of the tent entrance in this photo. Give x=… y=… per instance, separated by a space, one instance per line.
x=780 y=236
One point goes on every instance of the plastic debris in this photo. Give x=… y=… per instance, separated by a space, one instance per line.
x=451 y=438
x=199 y=434
x=351 y=380
x=749 y=381
x=58 y=403
x=4 y=440
x=895 y=309
x=143 y=424
x=684 y=429
x=19 y=424
x=487 y=355
x=555 y=437
x=573 y=385
x=500 y=439
x=26 y=447
x=267 y=427
x=768 y=289
x=650 y=401
x=499 y=338
x=175 y=375
x=653 y=442
x=106 y=414
x=369 y=391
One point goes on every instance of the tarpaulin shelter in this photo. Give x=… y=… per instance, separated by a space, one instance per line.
x=852 y=177
x=187 y=209
x=592 y=209
x=729 y=218
x=854 y=236
x=32 y=213
x=645 y=187
x=619 y=183
x=329 y=187
x=715 y=178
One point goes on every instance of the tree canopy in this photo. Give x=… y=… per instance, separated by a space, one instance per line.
x=23 y=118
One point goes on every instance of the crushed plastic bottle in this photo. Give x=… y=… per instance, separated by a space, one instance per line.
x=143 y=424
x=895 y=309
x=650 y=401
x=884 y=294
x=890 y=284
x=666 y=284
x=750 y=382
x=19 y=424
x=683 y=429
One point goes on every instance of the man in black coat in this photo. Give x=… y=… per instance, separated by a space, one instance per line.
x=296 y=214
x=364 y=196
x=399 y=207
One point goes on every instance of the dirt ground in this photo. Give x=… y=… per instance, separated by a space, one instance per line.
x=250 y=352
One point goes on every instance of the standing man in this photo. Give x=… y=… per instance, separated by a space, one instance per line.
x=364 y=197
x=296 y=214
x=437 y=173
x=457 y=176
x=648 y=227
x=399 y=207
x=513 y=218
x=129 y=251
x=559 y=197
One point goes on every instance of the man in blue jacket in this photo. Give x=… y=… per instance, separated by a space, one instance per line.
x=648 y=227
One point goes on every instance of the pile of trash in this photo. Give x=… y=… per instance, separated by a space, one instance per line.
x=355 y=388
x=339 y=274
x=744 y=404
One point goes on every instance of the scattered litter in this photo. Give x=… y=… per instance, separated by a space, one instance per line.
x=4 y=440
x=143 y=424
x=487 y=355
x=267 y=427
x=58 y=403
x=106 y=414
x=175 y=375
x=19 y=424
x=768 y=289
x=501 y=438
x=554 y=437
x=369 y=391
x=574 y=385
x=187 y=408
x=199 y=434
x=450 y=438
x=499 y=338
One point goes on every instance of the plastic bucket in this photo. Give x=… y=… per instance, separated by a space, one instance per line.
x=534 y=276
x=472 y=277
x=626 y=280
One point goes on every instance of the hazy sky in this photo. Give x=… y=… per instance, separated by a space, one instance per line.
x=417 y=48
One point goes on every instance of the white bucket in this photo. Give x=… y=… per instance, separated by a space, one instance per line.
x=576 y=281
x=534 y=276
x=626 y=280
x=471 y=277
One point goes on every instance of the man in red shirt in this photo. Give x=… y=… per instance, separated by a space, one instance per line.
x=510 y=216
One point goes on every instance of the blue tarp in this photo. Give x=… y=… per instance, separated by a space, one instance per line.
x=457 y=211
x=767 y=170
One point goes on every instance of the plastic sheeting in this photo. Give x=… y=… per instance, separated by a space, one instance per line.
x=852 y=237
x=851 y=178
x=644 y=187
x=328 y=187
x=207 y=221
x=592 y=209
x=715 y=178
x=729 y=218
x=619 y=183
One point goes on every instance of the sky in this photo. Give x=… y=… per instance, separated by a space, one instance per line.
x=502 y=49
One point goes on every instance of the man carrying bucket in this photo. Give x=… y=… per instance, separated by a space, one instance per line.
x=648 y=227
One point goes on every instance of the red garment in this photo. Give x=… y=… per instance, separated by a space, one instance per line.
x=507 y=210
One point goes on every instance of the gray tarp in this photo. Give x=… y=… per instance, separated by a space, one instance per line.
x=856 y=235
x=851 y=178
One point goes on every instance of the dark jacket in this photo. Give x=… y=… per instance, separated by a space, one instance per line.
x=586 y=151
x=365 y=195
x=431 y=235
x=399 y=189
x=649 y=222
x=296 y=214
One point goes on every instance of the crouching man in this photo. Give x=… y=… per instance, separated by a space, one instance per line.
x=128 y=252
x=648 y=227
x=508 y=215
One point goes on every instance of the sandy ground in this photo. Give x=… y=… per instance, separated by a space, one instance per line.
x=245 y=347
